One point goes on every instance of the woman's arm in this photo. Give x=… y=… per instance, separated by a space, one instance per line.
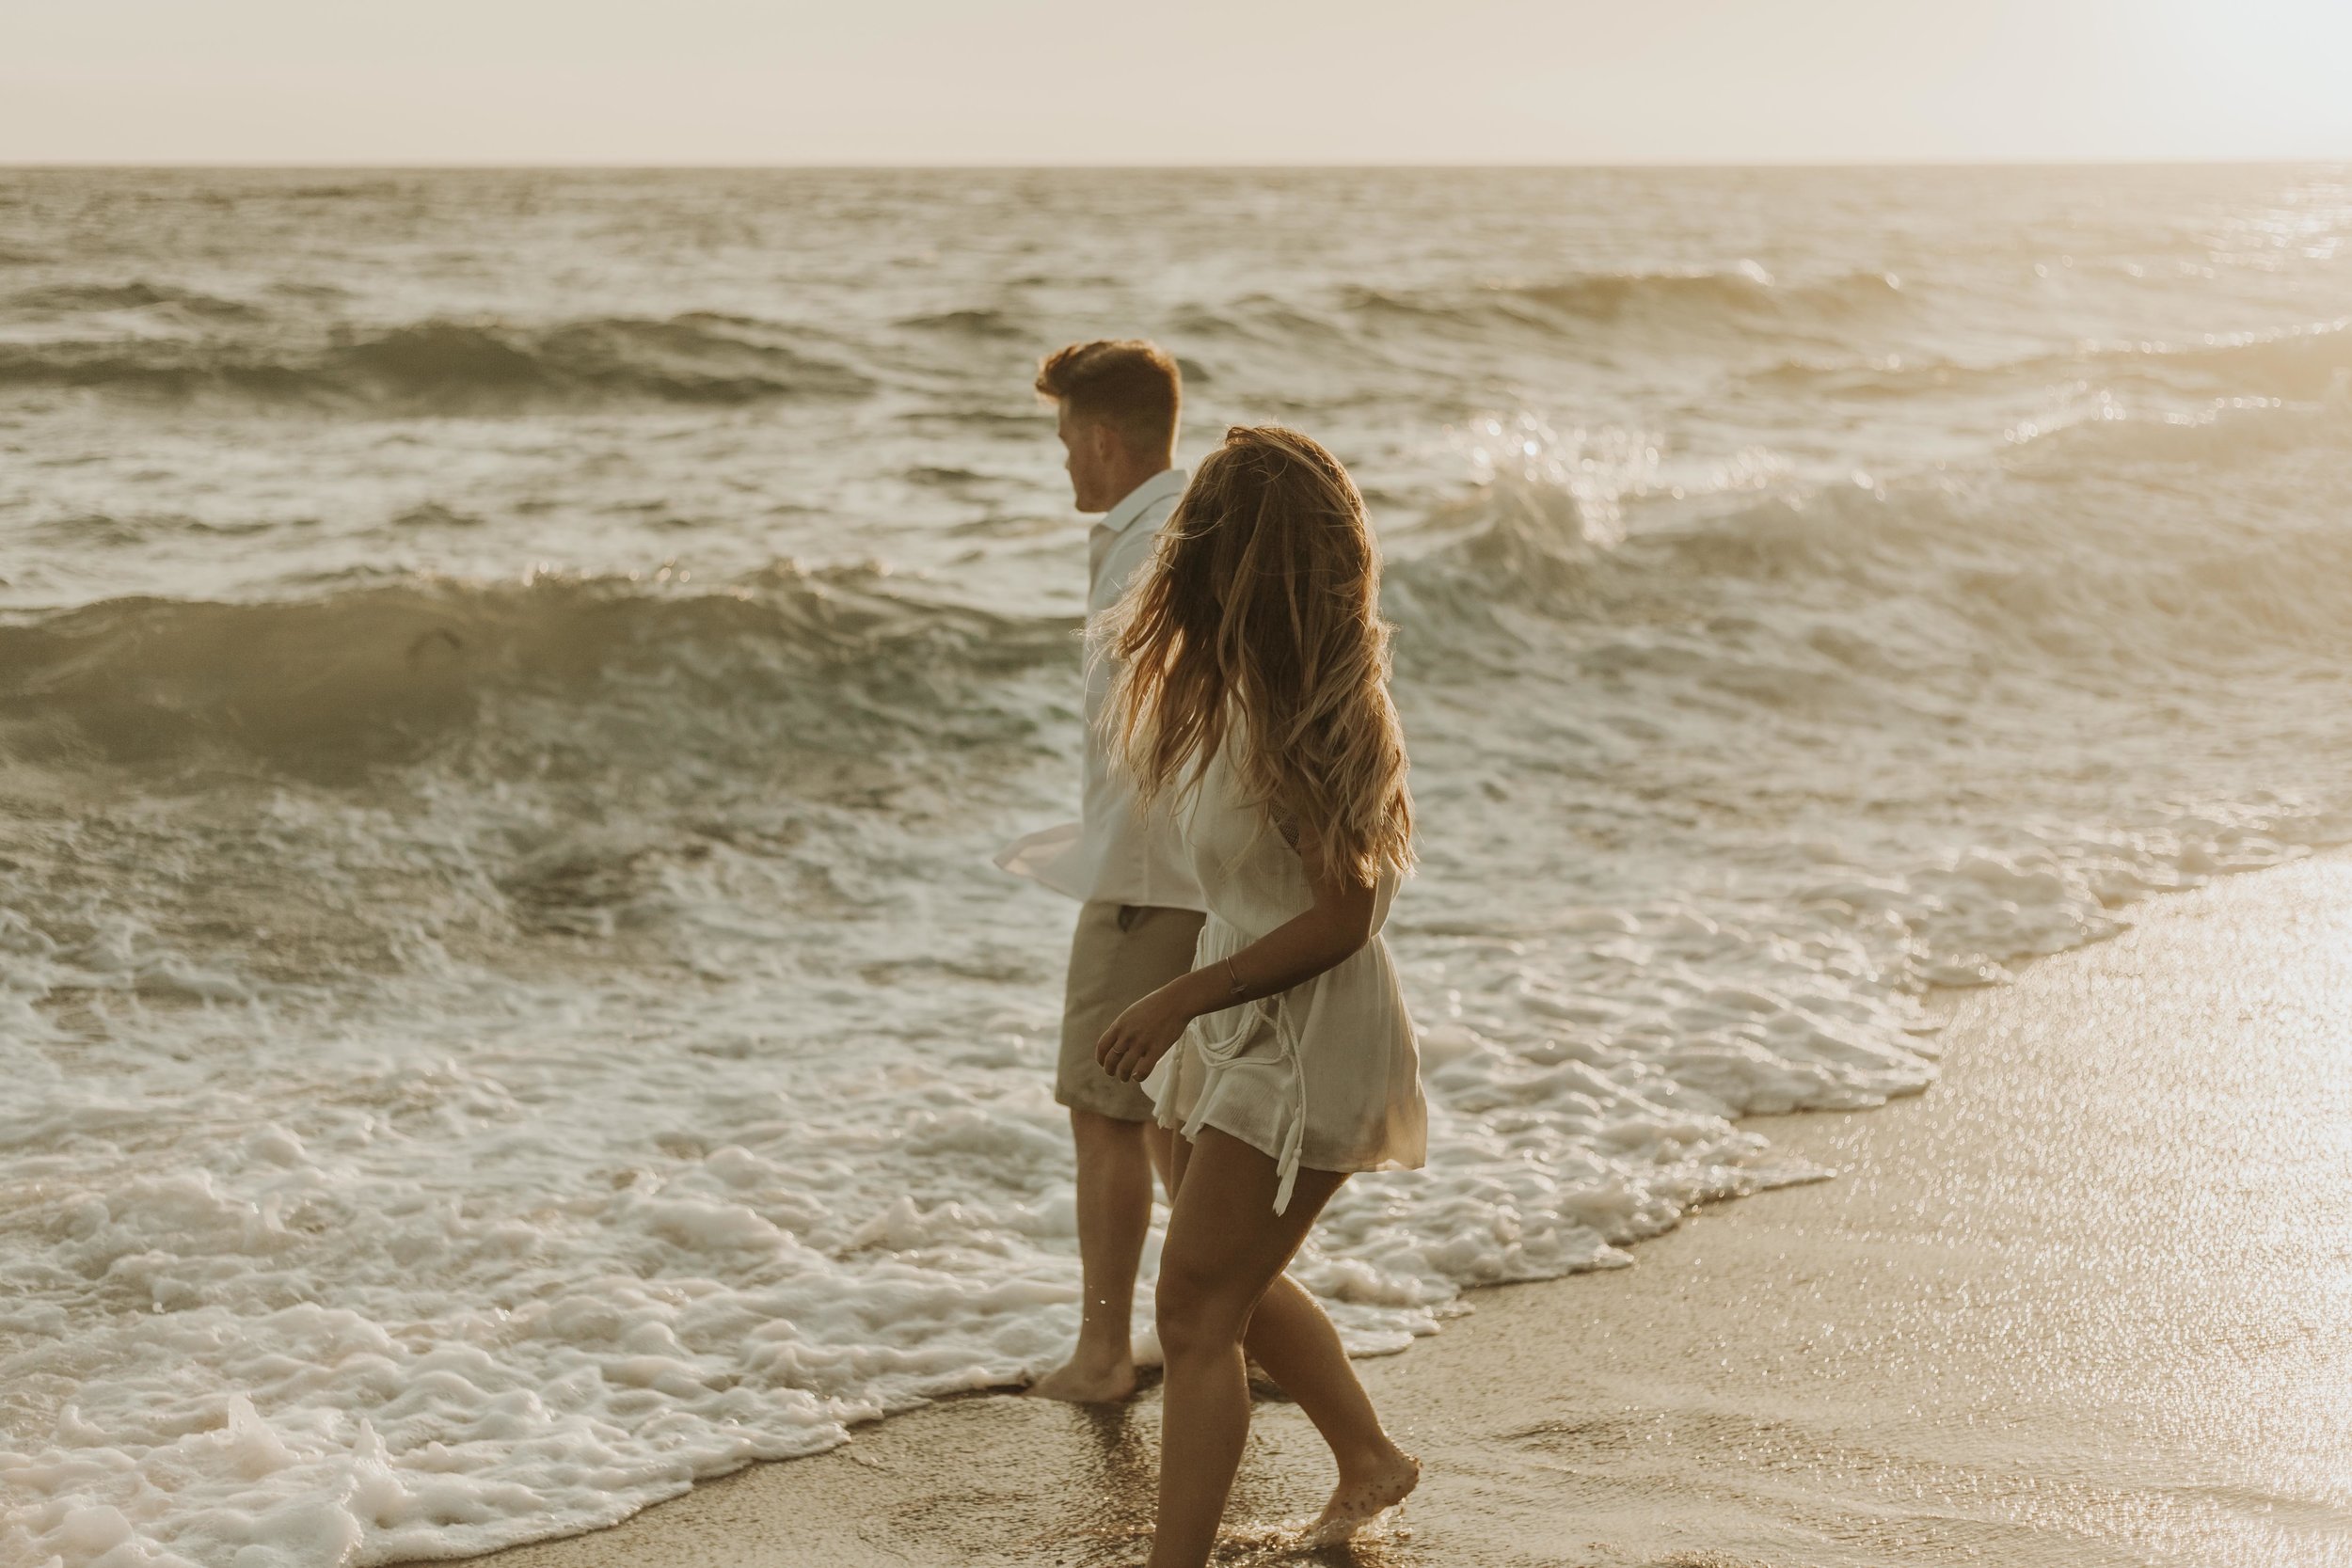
x=1335 y=926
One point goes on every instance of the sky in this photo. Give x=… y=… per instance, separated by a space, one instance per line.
x=1032 y=82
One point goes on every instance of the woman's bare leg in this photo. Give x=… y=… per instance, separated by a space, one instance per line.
x=1219 y=1270
x=1296 y=1344
x=1225 y=1245
x=1290 y=1336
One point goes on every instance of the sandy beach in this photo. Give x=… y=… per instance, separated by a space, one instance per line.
x=2087 y=1301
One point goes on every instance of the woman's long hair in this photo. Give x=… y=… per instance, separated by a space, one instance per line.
x=1261 y=606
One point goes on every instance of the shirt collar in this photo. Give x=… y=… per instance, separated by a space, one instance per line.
x=1163 y=485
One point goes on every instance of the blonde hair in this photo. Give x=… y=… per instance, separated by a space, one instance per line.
x=1261 y=606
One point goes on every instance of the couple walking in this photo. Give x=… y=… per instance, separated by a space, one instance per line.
x=1232 y=1020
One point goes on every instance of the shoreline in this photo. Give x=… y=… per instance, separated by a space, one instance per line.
x=1992 y=1338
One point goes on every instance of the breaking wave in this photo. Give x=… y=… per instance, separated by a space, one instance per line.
x=332 y=685
x=2307 y=362
x=62 y=299
x=374 y=674
x=1344 y=326
x=445 y=366
x=1738 y=294
x=1696 y=302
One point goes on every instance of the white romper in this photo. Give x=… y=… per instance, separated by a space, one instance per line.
x=1325 y=1074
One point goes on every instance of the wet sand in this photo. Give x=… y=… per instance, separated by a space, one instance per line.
x=2087 y=1301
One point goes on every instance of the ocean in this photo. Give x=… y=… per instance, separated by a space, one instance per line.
x=510 y=682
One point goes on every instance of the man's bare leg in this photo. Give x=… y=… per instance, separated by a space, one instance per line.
x=1116 y=1160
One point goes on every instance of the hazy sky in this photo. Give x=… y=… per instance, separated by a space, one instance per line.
x=1199 y=81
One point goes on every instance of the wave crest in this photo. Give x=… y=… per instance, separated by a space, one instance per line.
x=329 y=687
x=62 y=299
x=2307 y=362
x=458 y=366
x=1741 y=292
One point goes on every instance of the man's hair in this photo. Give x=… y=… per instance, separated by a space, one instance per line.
x=1129 y=383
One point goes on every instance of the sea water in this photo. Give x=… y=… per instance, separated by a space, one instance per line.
x=510 y=683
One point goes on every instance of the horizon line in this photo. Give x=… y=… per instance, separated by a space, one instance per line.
x=591 y=165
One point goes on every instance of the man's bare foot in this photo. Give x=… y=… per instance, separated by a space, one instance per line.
x=1081 y=1382
x=1362 y=1496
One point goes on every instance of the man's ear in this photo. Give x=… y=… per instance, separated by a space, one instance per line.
x=1110 y=450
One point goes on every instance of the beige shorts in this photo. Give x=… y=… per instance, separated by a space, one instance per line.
x=1120 y=954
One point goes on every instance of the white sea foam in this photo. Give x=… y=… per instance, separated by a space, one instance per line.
x=490 y=1044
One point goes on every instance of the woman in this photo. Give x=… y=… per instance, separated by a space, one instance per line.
x=1253 y=693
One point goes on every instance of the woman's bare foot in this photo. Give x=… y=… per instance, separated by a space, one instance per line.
x=1363 y=1494
x=1079 y=1381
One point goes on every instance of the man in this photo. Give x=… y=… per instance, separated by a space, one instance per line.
x=1140 y=913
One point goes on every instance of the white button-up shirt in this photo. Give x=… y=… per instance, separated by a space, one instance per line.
x=1115 y=852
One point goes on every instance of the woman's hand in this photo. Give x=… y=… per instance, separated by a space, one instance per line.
x=1139 y=1038
x=1303 y=946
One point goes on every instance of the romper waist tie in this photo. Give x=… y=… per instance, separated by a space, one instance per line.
x=1220 y=1052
